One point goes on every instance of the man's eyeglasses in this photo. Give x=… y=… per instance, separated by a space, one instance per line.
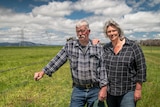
x=82 y=31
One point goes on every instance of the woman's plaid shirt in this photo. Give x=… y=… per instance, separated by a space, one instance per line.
x=86 y=67
x=124 y=69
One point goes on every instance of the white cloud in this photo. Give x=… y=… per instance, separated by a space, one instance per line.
x=157 y=36
x=103 y=7
x=128 y=31
x=93 y=5
x=135 y=3
x=53 y=9
x=132 y=37
x=142 y=21
x=144 y=36
x=116 y=11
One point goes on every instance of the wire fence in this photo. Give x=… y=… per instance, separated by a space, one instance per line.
x=19 y=67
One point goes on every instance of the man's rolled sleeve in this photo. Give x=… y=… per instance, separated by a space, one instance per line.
x=56 y=62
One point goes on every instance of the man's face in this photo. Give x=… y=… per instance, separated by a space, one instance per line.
x=82 y=33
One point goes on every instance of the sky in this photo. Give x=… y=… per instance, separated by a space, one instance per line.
x=53 y=21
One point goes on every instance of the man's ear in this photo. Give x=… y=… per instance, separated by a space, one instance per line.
x=89 y=30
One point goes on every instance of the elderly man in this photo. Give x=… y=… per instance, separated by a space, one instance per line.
x=86 y=65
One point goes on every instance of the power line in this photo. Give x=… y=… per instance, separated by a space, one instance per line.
x=22 y=37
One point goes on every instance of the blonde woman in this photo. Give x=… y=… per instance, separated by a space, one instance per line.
x=126 y=67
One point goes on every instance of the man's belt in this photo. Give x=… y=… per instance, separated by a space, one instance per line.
x=86 y=86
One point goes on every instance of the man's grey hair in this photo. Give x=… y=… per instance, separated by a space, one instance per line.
x=114 y=24
x=82 y=23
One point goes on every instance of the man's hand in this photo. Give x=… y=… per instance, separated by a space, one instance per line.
x=102 y=93
x=38 y=75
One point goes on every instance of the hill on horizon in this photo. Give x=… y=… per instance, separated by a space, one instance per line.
x=22 y=43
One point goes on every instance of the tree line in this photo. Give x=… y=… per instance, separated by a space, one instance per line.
x=150 y=42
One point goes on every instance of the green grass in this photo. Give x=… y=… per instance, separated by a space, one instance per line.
x=18 y=88
x=151 y=88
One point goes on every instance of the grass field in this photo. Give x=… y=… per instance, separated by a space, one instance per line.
x=18 y=88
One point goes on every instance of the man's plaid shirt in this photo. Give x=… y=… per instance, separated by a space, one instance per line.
x=86 y=67
x=124 y=69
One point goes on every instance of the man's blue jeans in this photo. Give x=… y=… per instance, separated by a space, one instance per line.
x=126 y=100
x=81 y=97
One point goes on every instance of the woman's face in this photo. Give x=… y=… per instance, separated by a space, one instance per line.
x=112 y=33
